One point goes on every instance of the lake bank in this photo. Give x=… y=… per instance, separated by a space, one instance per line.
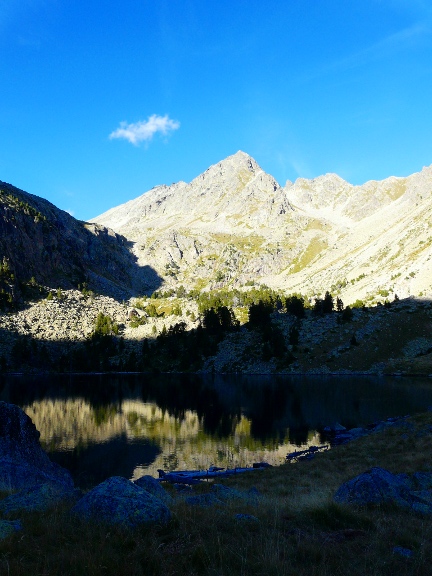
x=298 y=528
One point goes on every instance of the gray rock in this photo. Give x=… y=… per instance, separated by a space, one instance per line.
x=154 y=487
x=423 y=497
x=36 y=498
x=23 y=463
x=227 y=494
x=423 y=480
x=9 y=527
x=375 y=486
x=120 y=501
x=357 y=432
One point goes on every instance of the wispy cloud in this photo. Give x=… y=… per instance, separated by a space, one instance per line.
x=385 y=47
x=143 y=131
x=300 y=166
x=382 y=49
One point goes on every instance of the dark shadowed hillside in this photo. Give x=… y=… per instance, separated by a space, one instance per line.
x=40 y=241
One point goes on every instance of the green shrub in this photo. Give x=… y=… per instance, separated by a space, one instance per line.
x=104 y=326
x=151 y=311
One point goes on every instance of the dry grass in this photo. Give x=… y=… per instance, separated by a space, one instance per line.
x=300 y=531
x=315 y=247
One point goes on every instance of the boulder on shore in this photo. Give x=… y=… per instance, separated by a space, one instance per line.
x=23 y=463
x=375 y=486
x=37 y=498
x=378 y=486
x=154 y=488
x=120 y=501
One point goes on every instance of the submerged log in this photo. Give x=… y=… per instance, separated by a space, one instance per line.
x=194 y=476
x=306 y=454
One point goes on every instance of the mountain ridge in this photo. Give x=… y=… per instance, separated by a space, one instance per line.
x=235 y=224
x=231 y=227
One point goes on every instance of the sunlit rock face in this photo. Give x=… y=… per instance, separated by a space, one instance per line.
x=234 y=224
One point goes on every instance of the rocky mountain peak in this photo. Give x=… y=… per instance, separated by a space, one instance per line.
x=234 y=223
x=227 y=171
x=234 y=186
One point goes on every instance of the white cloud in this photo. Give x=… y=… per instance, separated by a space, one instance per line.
x=145 y=130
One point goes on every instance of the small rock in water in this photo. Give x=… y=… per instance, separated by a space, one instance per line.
x=338 y=427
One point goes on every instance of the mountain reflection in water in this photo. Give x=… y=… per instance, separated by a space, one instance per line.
x=129 y=425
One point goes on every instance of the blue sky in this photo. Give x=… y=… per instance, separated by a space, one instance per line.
x=102 y=100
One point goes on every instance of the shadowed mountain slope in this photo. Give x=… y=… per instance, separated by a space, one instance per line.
x=38 y=240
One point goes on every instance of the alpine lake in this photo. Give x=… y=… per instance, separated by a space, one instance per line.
x=134 y=424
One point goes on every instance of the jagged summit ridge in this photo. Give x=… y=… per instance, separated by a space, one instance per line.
x=226 y=189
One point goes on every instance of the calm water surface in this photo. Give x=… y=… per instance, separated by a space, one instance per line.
x=130 y=425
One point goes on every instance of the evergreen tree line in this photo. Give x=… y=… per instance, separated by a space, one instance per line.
x=175 y=348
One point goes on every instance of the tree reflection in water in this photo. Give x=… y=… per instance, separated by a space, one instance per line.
x=128 y=425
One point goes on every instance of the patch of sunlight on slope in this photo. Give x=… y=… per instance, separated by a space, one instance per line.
x=244 y=177
x=316 y=246
x=398 y=189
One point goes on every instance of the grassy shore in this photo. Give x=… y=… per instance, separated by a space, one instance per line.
x=299 y=530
